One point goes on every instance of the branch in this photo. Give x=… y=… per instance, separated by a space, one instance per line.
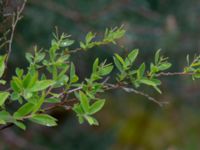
x=16 y=17
x=174 y=74
x=127 y=89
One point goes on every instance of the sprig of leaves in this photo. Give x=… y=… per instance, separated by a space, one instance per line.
x=52 y=70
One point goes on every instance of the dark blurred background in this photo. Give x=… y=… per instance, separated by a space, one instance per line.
x=128 y=121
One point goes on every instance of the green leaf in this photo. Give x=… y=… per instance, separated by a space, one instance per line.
x=2 y=82
x=39 y=103
x=157 y=56
x=96 y=106
x=26 y=80
x=188 y=59
x=2 y=65
x=19 y=72
x=83 y=46
x=20 y=125
x=95 y=65
x=89 y=37
x=78 y=109
x=141 y=70
x=42 y=85
x=118 y=64
x=131 y=57
x=3 y=97
x=120 y=59
x=91 y=120
x=29 y=57
x=24 y=110
x=80 y=119
x=66 y=43
x=4 y=115
x=52 y=100
x=17 y=84
x=164 y=66
x=44 y=119
x=84 y=101
x=157 y=89
x=2 y=122
x=34 y=78
x=73 y=76
x=156 y=81
x=154 y=68
x=106 y=70
x=27 y=94
x=39 y=57
x=15 y=96
x=148 y=82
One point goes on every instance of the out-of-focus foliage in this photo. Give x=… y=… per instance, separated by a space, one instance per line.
x=172 y=25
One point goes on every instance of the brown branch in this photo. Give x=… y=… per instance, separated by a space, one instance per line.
x=174 y=74
x=15 y=19
x=127 y=89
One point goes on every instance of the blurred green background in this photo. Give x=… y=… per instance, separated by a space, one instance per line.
x=128 y=121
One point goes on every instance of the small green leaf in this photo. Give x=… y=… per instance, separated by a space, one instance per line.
x=188 y=59
x=89 y=37
x=154 y=68
x=24 y=110
x=83 y=46
x=78 y=109
x=106 y=70
x=2 y=82
x=33 y=79
x=118 y=64
x=19 y=72
x=120 y=59
x=91 y=120
x=80 y=119
x=157 y=56
x=148 y=82
x=20 y=125
x=3 y=97
x=164 y=66
x=2 y=65
x=39 y=103
x=66 y=43
x=84 y=101
x=2 y=122
x=4 y=115
x=17 y=84
x=29 y=57
x=42 y=85
x=141 y=70
x=15 y=96
x=44 y=119
x=131 y=57
x=26 y=80
x=39 y=57
x=157 y=89
x=52 y=100
x=73 y=76
x=95 y=65
x=96 y=106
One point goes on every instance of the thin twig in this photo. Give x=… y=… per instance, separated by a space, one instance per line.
x=174 y=73
x=16 y=17
x=75 y=50
x=127 y=89
x=145 y=95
